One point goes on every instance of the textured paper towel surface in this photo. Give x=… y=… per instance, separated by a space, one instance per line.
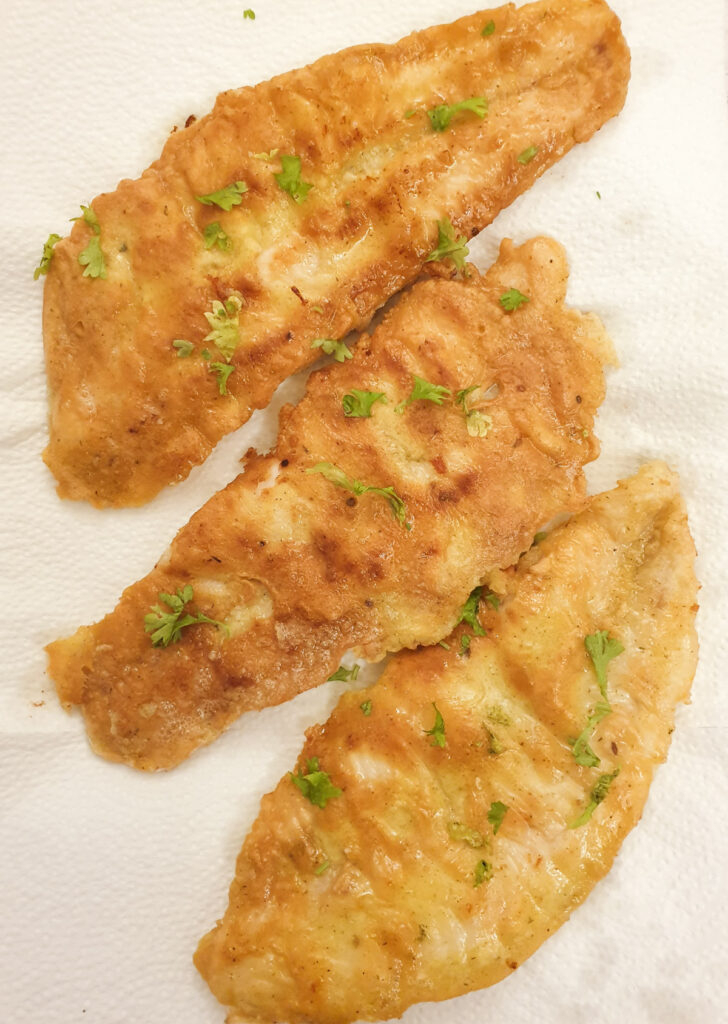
x=108 y=878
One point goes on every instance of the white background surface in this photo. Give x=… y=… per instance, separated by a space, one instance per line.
x=108 y=877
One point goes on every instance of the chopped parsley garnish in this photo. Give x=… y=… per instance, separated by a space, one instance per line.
x=440 y=117
x=443 y=644
x=493 y=600
x=45 y=260
x=495 y=747
x=496 y=814
x=322 y=867
x=471 y=836
x=438 y=730
x=409 y=113
x=166 y=626
x=338 y=477
x=315 y=784
x=448 y=246
x=222 y=371
x=483 y=870
x=497 y=714
x=488 y=29
x=527 y=155
x=184 y=348
x=250 y=13
x=92 y=258
x=224 y=321
x=464 y=644
x=359 y=403
x=423 y=391
x=344 y=674
x=289 y=178
x=512 y=299
x=599 y=195
x=366 y=708
x=214 y=235
x=601 y=648
x=469 y=612
x=583 y=753
x=334 y=348
x=598 y=794
x=267 y=157
x=225 y=198
x=477 y=423
x=90 y=218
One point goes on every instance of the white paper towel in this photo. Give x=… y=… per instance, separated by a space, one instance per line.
x=108 y=877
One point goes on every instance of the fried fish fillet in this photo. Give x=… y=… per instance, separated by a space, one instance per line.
x=127 y=416
x=303 y=563
x=441 y=865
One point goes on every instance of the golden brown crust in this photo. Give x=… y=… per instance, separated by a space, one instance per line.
x=302 y=569
x=126 y=415
x=395 y=917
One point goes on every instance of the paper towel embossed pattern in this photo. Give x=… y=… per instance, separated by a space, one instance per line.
x=311 y=240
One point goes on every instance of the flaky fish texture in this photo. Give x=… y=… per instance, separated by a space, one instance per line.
x=441 y=866
x=127 y=415
x=301 y=567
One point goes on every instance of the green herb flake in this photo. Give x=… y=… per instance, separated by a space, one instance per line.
x=250 y=13
x=464 y=644
x=583 y=753
x=471 y=836
x=409 y=113
x=469 y=612
x=512 y=299
x=325 y=866
x=359 y=403
x=493 y=600
x=222 y=371
x=527 y=155
x=495 y=747
x=448 y=245
x=213 y=234
x=423 y=391
x=89 y=217
x=483 y=871
x=488 y=29
x=443 y=644
x=224 y=321
x=45 y=260
x=184 y=348
x=538 y=537
x=225 y=198
x=496 y=814
x=497 y=714
x=166 y=626
x=289 y=178
x=267 y=157
x=317 y=309
x=337 y=476
x=334 y=348
x=366 y=708
x=315 y=784
x=601 y=648
x=599 y=195
x=344 y=674
x=437 y=732
x=92 y=258
x=440 y=117
x=598 y=794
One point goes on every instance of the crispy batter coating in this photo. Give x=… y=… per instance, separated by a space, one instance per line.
x=301 y=569
x=127 y=416
x=403 y=912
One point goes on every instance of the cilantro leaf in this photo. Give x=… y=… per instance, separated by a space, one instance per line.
x=598 y=794
x=250 y=13
x=423 y=391
x=448 y=246
x=315 y=784
x=184 y=348
x=338 y=476
x=440 y=117
x=344 y=675
x=471 y=836
x=359 y=403
x=267 y=157
x=438 y=730
x=488 y=29
x=527 y=155
x=601 y=648
x=225 y=198
x=224 y=321
x=337 y=349
x=166 y=626
x=289 y=178
x=90 y=218
x=92 y=258
x=483 y=871
x=477 y=423
x=512 y=299
x=45 y=260
x=214 y=235
x=366 y=708
x=496 y=814
x=469 y=612
x=583 y=753
x=222 y=371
